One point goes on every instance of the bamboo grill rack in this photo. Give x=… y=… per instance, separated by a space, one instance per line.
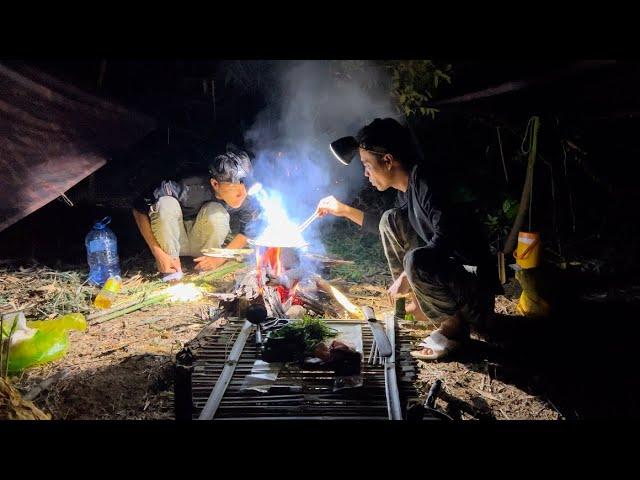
x=207 y=377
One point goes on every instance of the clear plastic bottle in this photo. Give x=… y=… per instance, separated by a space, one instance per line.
x=102 y=253
x=108 y=294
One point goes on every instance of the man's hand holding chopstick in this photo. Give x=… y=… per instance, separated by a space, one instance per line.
x=330 y=205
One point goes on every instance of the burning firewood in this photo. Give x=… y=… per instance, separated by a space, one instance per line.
x=353 y=310
x=327 y=260
x=273 y=303
x=315 y=305
x=289 y=278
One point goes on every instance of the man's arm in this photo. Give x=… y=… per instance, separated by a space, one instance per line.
x=239 y=241
x=211 y=263
x=166 y=264
x=334 y=207
x=353 y=214
x=144 y=225
x=369 y=221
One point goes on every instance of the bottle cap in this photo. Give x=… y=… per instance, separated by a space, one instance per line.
x=101 y=224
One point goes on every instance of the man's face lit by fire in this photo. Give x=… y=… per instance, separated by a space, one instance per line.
x=233 y=194
x=377 y=168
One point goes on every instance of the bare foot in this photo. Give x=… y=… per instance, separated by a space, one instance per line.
x=450 y=344
x=419 y=315
x=413 y=307
x=454 y=327
x=424 y=351
x=410 y=307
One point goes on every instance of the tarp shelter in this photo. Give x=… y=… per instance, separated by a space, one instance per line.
x=53 y=135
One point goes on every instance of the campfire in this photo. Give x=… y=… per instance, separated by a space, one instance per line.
x=271 y=274
x=285 y=279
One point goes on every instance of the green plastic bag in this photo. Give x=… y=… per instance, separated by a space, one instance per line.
x=40 y=341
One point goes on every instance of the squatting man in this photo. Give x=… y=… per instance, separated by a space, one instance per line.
x=438 y=258
x=190 y=216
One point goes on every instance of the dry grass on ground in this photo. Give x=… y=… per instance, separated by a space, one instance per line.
x=123 y=368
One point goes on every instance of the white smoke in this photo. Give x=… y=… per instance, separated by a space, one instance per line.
x=280 y=229
x=314 y=103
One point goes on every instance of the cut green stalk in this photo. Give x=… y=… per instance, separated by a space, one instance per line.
x=151 y=301
x=217 y=274
x=116 y=308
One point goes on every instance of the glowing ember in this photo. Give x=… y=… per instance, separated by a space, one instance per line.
x=184 y=292
x=352 y=309
x=268 y=261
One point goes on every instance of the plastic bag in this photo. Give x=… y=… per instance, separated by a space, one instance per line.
x=39 y=341
x=263 y=375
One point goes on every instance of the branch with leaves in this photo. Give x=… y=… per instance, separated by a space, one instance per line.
x=411 y=83
x=414 y=83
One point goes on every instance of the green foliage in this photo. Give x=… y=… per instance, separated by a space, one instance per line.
x=414 y=83
x=499 y=221
x=510 y=208
x=347 y=241
x=296 y=339
x=315 y=330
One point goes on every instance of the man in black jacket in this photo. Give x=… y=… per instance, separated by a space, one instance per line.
x=189 y=216
x=435 y=252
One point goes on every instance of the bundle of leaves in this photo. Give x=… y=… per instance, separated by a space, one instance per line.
x=296 y=340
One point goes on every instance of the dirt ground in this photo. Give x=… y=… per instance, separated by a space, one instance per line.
x=119 y=369
x=474 y=381
x=123 y=368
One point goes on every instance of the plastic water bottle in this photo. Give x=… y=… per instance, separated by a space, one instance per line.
x=109 y=292
x=102 y=253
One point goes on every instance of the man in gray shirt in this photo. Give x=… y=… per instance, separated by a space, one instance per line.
x=436 y=251
x=189 y=216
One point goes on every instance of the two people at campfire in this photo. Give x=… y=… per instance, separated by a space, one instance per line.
x=190 y=216
x=436 y=253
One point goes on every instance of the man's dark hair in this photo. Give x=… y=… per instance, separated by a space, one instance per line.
x=234 y=166
x=386 y=135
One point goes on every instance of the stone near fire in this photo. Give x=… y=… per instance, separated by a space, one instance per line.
x=296 y=311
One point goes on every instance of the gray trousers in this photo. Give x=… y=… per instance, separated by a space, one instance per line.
x=441 y=285
x=188 y=238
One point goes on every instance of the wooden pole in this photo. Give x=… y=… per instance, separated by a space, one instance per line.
x=513 y=86
x=510 y=243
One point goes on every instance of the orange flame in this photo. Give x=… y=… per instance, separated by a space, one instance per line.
x=271 y=262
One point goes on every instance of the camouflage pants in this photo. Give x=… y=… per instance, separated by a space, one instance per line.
x=442 y=285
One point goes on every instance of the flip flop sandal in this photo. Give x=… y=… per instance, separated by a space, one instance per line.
x=439 y=344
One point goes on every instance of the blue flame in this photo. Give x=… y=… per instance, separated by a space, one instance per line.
x=280 y=228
